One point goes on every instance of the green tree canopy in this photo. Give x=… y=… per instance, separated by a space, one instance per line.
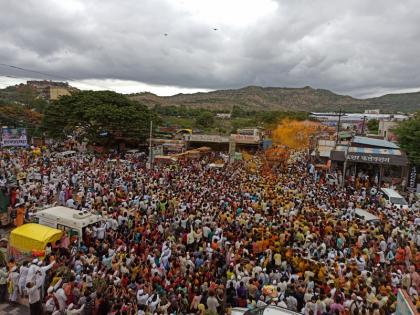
x=373 y=125
x=205 y=120
x=93 y=114
x=408 y=132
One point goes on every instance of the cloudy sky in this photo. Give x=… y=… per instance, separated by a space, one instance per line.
x=356 y=47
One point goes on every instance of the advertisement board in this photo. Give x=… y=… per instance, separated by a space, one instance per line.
x=251 y=139
x=14 y=137
x=207 y=138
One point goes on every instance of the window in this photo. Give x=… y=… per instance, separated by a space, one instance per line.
x=398 y=201
x=70 y=232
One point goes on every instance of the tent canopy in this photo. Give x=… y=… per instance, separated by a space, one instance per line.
x=32 y=236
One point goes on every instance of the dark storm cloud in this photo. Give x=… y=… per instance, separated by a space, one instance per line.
x=353 y=47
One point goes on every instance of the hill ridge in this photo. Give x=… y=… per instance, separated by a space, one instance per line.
x=306 y=98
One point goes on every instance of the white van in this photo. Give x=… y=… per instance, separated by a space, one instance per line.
x=366 y=216
x=392 y=197
x=66 y=219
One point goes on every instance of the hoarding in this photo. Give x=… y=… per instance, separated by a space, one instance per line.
x=207 y=138
x=250 y=139
x=14 y=137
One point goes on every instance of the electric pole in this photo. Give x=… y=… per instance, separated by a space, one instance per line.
x=363 y=125
x=338 y=125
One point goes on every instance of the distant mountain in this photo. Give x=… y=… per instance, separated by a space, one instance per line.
x=401 y=101
x=273 y=98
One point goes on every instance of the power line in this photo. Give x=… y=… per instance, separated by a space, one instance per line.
x=33 y=71
x=49 y=75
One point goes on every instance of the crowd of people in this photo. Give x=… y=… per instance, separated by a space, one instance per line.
x=189 y=238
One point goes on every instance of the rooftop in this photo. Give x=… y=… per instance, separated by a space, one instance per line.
x=374 y=142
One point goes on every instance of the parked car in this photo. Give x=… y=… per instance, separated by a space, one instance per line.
x=366 y=216
x=392 y=198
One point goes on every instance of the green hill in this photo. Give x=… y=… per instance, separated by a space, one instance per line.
x=273 y=98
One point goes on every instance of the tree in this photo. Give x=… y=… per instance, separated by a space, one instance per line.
x=205 y=120
x=39 y=105
x=27 y=95
x=373 y=125
x=408 y=133
x=95 y=113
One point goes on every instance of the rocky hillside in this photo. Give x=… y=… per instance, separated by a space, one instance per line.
x=305 y=99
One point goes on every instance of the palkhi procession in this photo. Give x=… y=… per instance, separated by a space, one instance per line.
x=190 y=238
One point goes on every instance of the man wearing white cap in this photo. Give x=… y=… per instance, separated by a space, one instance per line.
x=34 y=296
x=33 y=268
x=43 y=273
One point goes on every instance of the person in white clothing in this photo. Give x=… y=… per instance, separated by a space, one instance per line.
x=33 y=268
x=71 y=310
x=22 y=278
x=34 y=297
x=51 y=303
x=14 y=280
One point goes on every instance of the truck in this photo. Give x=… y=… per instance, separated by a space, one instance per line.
x=73 y=222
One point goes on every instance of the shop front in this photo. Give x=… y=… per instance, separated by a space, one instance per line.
x=378 y=166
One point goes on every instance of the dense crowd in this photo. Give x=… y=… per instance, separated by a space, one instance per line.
x=194 y=239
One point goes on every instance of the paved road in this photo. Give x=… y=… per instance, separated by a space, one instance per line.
x=7 y=309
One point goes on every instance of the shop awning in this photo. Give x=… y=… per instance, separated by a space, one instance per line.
x=338 y=153
x=322 y=153
x=376 y=156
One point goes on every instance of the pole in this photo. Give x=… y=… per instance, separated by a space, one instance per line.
x=363 y=125
x=344 y=173
x=338 y=126
x=150 y=145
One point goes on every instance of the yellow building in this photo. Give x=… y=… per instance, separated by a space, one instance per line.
x=54 y=92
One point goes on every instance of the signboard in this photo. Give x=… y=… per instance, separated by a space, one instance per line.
x=207 y=138
x=245 y=138
x=14 y=137
x=385 y=159
x=412 y=179
x=368 y=158
x=157 y=150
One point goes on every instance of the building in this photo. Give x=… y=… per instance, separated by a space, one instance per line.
x=381 y=161
x=54 y=92
x=51 y=90
x=385 y=129
x=249 y=139
x=372 y=111
x=224 y=115
x=323 y=150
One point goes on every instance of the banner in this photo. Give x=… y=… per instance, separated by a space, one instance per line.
x=412 y=179
x=404 y=305
x=250 y=139
x=14 y=137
